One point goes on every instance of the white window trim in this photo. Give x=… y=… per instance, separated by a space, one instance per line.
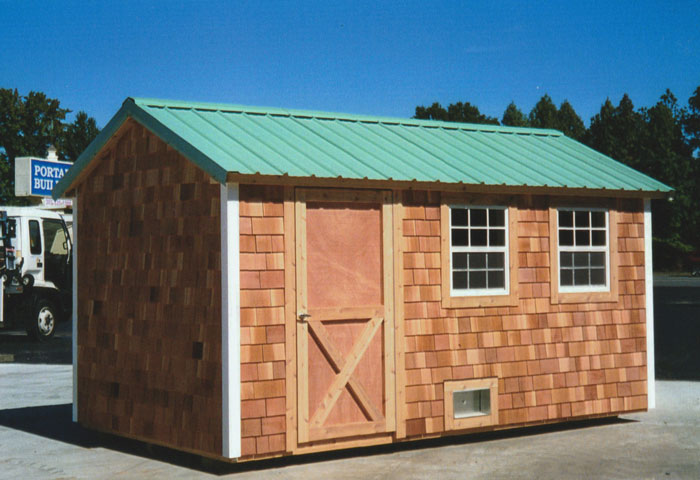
x=591 y=249
x=480 y=292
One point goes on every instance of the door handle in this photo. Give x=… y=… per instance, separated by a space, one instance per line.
x=303 y=317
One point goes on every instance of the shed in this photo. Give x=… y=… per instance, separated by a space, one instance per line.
x=258 y=282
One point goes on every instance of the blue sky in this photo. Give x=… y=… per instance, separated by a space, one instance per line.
x=366 y=57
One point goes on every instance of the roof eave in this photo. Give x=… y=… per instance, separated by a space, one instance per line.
x=131 y=109
x=66 y=183
x=235 y=177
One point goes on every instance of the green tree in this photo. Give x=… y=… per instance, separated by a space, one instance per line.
x=468 y=113
x=77 y=136
x=28 y=125
x=456 y=112
x=433 y=112
x=514 y=117
x=544 y=113
x=616 y=131
x=569 y=122
x=691 y=122
x=666 y=155
x=652 y=141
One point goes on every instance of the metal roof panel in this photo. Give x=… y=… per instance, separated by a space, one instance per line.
x=271 y=141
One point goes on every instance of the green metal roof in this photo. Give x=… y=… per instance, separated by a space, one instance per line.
x=266 y=141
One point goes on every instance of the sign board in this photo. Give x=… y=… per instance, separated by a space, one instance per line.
x=36 y=177
x=59 y=203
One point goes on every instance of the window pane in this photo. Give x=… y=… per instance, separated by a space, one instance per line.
x=496 y=260
x=583 y=238
x=477 y=279
x=581 y=276
x=598 y=238
x=478 y=237
x=566 y=259
x=478 y=217
x=34 y=237
x=459 y=260
x=497 y=217
x=496 y=279
x=566 y=238
x=598 y=219
x=459 y=279
x=580 y=259
x=598 y=276
x=582 y=219
x=566 y=218
x=55 y=237
x=477 y=260
x=459 y=217
x=497 y=238
x=597 y=259
x=460 y=237
x=567 y=278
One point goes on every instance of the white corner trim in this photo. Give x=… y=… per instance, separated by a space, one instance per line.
x=74 y=314
x=230 y=323
x=649 y=295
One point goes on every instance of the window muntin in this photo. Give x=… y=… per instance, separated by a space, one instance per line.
x=583 y=254
x=478 y=250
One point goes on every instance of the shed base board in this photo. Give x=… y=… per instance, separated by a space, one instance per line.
x=350 y=444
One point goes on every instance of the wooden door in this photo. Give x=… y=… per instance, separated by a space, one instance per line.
x=345 y=324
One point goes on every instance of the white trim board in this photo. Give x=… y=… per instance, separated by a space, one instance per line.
x=649 y=296
x=230 y=323
x=74 y=314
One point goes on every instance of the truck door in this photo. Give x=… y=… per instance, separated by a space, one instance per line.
x=34 y=256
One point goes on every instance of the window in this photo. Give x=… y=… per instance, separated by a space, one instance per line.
x=478 y=250
x=582 y=236
x=55 y=235
x=478 y=267
x=583 y=257
x=34 y=237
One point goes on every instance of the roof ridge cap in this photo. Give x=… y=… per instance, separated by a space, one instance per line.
x=326 y=115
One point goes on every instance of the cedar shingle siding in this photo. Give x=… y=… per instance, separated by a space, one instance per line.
x=149 y=361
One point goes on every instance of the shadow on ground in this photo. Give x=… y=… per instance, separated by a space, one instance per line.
x=17 y=347
x=54 y=422
x=677 y=332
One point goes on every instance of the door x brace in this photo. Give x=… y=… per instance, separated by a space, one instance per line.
x=344 y=368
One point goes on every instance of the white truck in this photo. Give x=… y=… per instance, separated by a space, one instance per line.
x=36 y=269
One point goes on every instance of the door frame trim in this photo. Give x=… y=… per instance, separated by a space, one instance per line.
x=294 y=208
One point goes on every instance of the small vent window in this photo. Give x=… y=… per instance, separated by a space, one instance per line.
x=469 y=403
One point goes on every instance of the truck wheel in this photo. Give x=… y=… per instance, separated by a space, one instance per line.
x=41 y=324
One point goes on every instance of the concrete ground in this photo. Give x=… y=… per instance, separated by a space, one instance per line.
x=38 y=440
